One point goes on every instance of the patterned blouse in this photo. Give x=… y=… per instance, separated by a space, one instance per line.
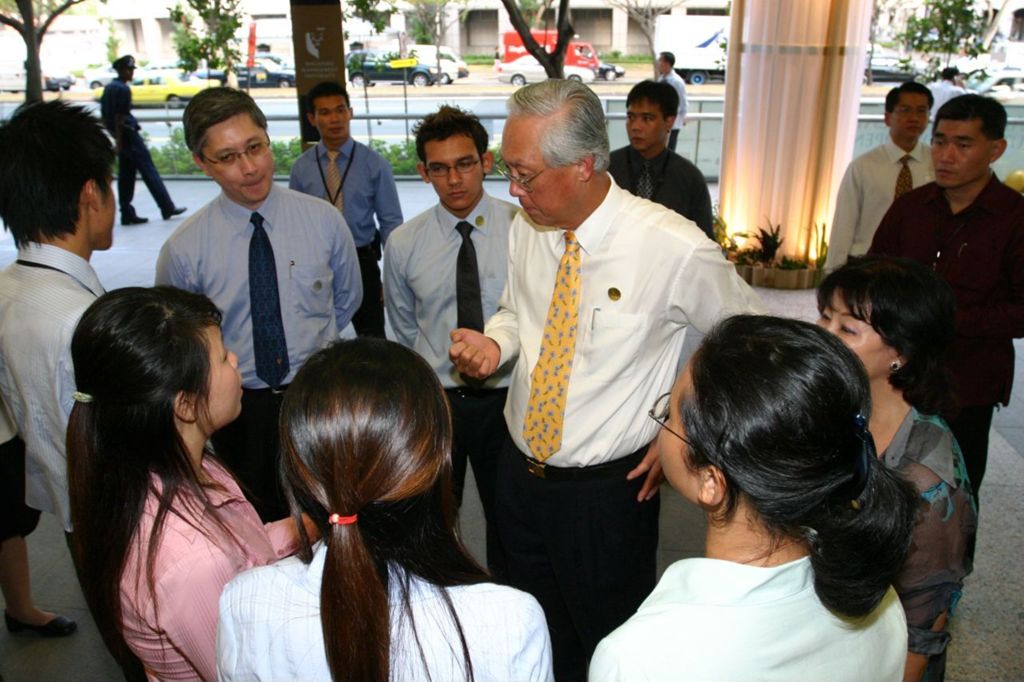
x=925 y=452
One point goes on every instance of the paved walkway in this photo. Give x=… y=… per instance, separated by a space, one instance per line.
x=988 y=628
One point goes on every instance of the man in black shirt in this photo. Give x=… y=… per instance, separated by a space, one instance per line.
x=648 y=169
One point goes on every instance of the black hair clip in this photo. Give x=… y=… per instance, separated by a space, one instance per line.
x=862 y=463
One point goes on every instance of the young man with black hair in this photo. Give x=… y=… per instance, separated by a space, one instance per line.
x=359 y=183
x=57 y=202
x=648 y=168
x=969 y=227
x=875 y=178
x=444 y=269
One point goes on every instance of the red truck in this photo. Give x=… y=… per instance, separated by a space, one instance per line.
x=581 y=60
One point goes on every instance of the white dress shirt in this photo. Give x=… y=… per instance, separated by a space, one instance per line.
x=719 y=620
x=419 y=279
x=943 y=91
x=677 y=82
x=270 y=629
x=41 y=300
x=867 y=192
x=647 y=274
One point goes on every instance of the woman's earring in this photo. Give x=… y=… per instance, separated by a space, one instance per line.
x=895 y=366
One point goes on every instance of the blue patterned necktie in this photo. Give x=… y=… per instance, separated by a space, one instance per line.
x=268 y=342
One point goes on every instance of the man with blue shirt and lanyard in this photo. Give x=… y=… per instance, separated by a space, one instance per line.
x=444 y=269
x=359 y=183
x=279 y=265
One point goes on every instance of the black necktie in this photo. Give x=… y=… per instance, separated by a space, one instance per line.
x=467 y=283
x=645 y=183
x=268 y=342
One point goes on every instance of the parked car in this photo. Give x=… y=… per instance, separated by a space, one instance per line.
x=1003 y=85
x=97 y=78
x=158 y=89
x=610 y=72
x=58 y=82
x=889 y=67
x=366 y=67
x=528 y=70
x=452 y=65
x=262 y=76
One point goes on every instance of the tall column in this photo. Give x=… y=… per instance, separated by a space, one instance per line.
x=795 y=69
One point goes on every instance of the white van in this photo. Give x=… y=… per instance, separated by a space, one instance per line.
x=452 y=66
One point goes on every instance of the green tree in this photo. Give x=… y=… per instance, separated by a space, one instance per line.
x=31 y=19
x=215 y=44
x=944 y=29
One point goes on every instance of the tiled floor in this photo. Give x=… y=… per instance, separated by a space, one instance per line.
x=988 y=628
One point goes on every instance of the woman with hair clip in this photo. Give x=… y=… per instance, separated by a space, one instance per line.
x=897 y=316
x=389 y=593
x=160 y=526
x=765 y=429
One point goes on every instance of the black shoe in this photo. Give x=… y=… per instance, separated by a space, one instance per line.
x=58 y=627
x=177 y=210
x=134 y=221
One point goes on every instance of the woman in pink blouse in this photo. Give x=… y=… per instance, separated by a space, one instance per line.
x=159 y=525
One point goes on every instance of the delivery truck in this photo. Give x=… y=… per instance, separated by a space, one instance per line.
x=698 y=43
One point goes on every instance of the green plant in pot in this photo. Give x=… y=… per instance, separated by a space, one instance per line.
x=769 y=240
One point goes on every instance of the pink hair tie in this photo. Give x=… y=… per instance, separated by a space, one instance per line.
x=339 y=520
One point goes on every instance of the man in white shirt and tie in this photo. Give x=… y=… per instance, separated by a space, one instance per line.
x=446 y=268
x=57 y=202
x=876 y=178
x=666 y=65
x=601 y=288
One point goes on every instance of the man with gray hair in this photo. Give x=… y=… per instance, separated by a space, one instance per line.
x=280 y=265
x=601 y=288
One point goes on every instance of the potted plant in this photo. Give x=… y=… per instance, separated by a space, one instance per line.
x=770 y=241
x=791 y=273
x=819 y=261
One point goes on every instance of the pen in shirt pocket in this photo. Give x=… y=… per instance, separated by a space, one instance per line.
x=291 y=264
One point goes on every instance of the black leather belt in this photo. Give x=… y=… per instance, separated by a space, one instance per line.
x=469 y=392
x=615 y=469
x=275 y=391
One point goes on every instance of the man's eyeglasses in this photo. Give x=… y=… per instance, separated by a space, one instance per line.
x=253 y=150
x=659 y=413
x=524 y=183
x=441 y=170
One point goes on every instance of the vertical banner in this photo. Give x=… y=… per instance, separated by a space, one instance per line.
x=319 y=47
x=250 y=61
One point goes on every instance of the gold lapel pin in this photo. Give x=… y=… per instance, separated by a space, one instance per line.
x=479 y=221
x=614 y=294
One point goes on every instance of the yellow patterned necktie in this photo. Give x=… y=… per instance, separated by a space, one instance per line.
x=904 y=181
x=334 y=194
x=549 y=382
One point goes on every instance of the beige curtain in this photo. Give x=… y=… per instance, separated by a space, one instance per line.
x=795 y=69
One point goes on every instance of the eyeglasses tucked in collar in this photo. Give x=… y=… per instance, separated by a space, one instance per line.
x=659 y=413
x=524 y=183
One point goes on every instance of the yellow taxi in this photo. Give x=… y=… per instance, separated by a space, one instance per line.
x=161 y=88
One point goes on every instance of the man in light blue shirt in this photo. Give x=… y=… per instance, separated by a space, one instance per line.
x=57 y=202
x=359 y=183
x=315 y=273
x=427 y=296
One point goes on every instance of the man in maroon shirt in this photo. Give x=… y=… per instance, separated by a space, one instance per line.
x=970 y=228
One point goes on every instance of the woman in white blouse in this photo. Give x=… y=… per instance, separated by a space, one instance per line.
x=389 y=593
x=766 y=430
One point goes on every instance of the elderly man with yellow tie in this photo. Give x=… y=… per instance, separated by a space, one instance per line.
x=601 y=288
